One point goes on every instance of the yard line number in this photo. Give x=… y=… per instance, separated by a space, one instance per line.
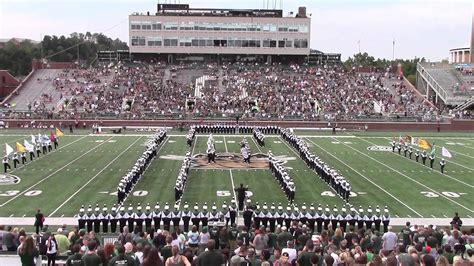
x=11 y=193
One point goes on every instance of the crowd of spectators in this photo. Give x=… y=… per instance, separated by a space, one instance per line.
x=276 y=91
x=296 y=245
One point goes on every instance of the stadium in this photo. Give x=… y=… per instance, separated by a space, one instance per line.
x=225 y=123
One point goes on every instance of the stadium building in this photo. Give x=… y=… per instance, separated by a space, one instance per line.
x=460 y=55
x=177 y=32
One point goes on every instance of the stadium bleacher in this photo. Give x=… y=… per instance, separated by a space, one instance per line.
x=136 y=91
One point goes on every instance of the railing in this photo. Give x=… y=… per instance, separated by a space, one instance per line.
x=147 y=116
x=417 y=92
x=464 y=105
x=432 y=82
x=24 y=81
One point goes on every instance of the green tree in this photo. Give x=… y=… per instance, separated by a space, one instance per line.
x=17 y=58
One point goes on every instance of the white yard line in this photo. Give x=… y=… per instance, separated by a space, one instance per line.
x=256 y=144
x=43 y=155
x=230 y=172
x=413 y=180
x=92 y=178
x=233 y=185
x=194 y=145
x=373 y=183
x=53 y=173
x=472 y=157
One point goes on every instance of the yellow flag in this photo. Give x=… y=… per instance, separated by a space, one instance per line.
x=424 y=144
x=59 y=133
x=20 y=148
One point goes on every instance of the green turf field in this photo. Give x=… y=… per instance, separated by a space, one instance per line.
x=87 y=168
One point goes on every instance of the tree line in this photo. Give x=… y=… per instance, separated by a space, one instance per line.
x=366 y=60
x=17 y=58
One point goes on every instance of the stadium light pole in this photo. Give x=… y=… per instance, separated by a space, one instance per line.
x=358 y=65
x=393 y=50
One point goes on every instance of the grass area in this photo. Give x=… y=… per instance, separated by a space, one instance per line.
x=86 y=170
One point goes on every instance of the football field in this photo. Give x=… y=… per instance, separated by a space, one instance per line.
x=86 y=169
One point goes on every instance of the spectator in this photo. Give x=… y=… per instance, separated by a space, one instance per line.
x=224 y=237
x=240 y=258
x=428 y=260
x=177 y=259
x=103 y=256
x=284 y=237
x=125 y=236
x=28 y=252
x=52 y=250
x=389 y=240
x=109 y=250
x=139 y=252
x=210 y=256
x=260 y=242
x=76 y=258
x=90 y=258
x=63 y=241
x=193 y=238
x=122 y=259
x=9 y=239
x=166 y=251
x=265 y=258
x=305 y=256
x=152 y=259
x=290 y=250
x=159 y=240
x=129 y=252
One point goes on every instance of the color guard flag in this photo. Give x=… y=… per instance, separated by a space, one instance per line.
x=408 y=139
x=52 y=137
x=59 y=133
x=28 y=146
x=445 y=153
x=33 y=139
x=20 y=148
x=424 y=144
x=414 y=141
x=401 y=140
x=8 y=149
x=433 y=150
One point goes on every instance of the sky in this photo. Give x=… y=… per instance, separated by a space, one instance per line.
x=420 y=28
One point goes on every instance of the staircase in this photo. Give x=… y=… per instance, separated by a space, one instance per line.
x=464 y=105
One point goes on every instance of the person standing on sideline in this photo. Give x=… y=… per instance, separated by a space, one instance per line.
x=241 y=195
x=39 y=220
x=456 y=222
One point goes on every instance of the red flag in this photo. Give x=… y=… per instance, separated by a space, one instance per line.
x=401 y=140
x=52 y=137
